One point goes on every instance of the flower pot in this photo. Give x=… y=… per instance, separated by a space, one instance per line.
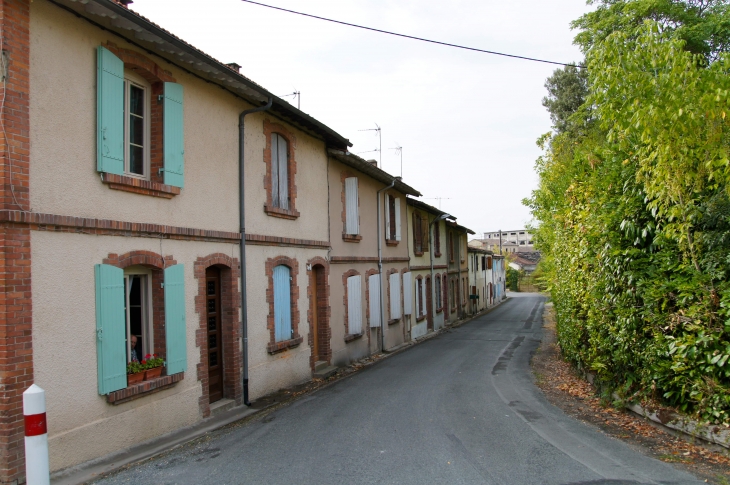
x=135 y=378
x=152 y=373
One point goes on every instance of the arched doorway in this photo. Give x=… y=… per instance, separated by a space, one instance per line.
x=214 y=333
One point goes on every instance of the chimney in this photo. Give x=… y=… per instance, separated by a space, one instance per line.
x=234 y=67
x=373 y=162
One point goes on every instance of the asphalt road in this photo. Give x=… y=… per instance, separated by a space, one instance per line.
x=460 y=408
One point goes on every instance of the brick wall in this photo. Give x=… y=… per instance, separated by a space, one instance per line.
x=16 y=350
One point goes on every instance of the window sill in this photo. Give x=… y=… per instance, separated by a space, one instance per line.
x=282 y=213
x=139 y=186
x=436 y=255
x=351 y=238
x=421 y=318
x=391 y=242
x=418 y=253
x=350 y=337
x=439 y=310
x=276 y=347
x=136 y=391
x=393 y=321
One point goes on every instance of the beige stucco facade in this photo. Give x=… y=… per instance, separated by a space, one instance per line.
x=351 y=255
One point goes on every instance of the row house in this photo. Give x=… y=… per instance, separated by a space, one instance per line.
x=156 y=201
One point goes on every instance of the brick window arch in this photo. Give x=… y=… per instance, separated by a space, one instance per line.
x=275 y=134
x=296 y=339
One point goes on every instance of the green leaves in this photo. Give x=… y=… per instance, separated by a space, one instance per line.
x=634 y=207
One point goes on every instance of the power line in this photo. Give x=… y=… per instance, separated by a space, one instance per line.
x=413 y=37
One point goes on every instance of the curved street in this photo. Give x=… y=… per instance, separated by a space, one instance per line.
x=460 y=408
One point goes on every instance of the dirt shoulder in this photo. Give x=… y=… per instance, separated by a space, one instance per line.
x=565 y=388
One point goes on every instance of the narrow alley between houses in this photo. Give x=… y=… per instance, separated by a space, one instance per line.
x=459 y=408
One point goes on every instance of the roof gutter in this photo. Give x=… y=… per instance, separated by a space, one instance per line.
x=242 y=219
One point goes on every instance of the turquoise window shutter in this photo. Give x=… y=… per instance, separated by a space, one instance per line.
x=174 y=143
x=282 y=303
x=176 y=332
x=111 y=329
x=109 y=112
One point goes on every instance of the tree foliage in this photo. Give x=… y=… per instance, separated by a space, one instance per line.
x=634 y=210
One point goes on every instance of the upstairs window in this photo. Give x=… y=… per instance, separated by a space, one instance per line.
x=437 y=240
x=279 y=172
x=417 y=233
x=392 y=218
x=136 y=125
x=352 y=216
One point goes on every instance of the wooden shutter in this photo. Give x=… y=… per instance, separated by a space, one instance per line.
x=109 y=112
x=407 y=294
x=417 y=233
x=111 y=329
x=395 y=296
x=436 y=238
x=387 y=216
x=174 y=136
x=175 y=325
x=424 y=238
x=283 y=153
x=397 y=219
x=352 y=223
x=282 y=303
x=275 y=169
x=424 y=299
x=354 y=304
x=374 y=297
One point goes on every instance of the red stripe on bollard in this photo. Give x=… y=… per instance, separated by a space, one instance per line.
x=35 y=424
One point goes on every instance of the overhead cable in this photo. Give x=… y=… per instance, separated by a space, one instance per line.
x=447 y=44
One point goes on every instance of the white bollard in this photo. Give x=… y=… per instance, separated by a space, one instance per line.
x=37 y=471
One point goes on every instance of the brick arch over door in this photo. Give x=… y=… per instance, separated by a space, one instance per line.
x=230 y=305
x=157 y=263
x=319 y=286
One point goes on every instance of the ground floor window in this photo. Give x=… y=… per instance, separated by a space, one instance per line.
x=138 y=313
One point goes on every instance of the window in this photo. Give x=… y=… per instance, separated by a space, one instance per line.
x=392 y=218
x=484 y=263
x=438 y=292
x=463 y=293
x=489 y=263
x=137 y=305
x=125 y=125
x=374 y=299
x=420 y=303
x=451 y=247
x=282 y=304
x=123 y=309
x=354 y=305
x=136 y=125
x=417 y=233
x=279 y=172
x=352 y=216
x=452 y=297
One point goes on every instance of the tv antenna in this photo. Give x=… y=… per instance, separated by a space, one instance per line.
x=439 y=199
x=296 y=94
x=380 y=137
x=399 y=151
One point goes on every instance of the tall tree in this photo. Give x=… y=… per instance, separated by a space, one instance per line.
x=567 y=91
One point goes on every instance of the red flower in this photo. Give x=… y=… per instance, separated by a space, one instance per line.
x=147 y=356
x=144 y=362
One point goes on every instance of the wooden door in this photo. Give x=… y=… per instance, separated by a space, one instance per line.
x=429 y=303
x=215 y=347
x=315 y=312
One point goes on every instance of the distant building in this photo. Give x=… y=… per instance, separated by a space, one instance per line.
x=512 y=241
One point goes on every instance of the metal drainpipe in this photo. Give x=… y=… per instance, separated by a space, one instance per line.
x=242 y=219
x=461 y=283
x=380 y=264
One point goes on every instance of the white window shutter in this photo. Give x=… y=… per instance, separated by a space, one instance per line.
x=397 y=219
x=374 y=297
x=418 y=298
x=354 y=304
x=395 y=296
x=425 y=300
x=387 y=216
x=352 y=222
x=407 y=294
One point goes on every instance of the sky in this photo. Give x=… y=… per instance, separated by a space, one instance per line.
x=467 y=122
